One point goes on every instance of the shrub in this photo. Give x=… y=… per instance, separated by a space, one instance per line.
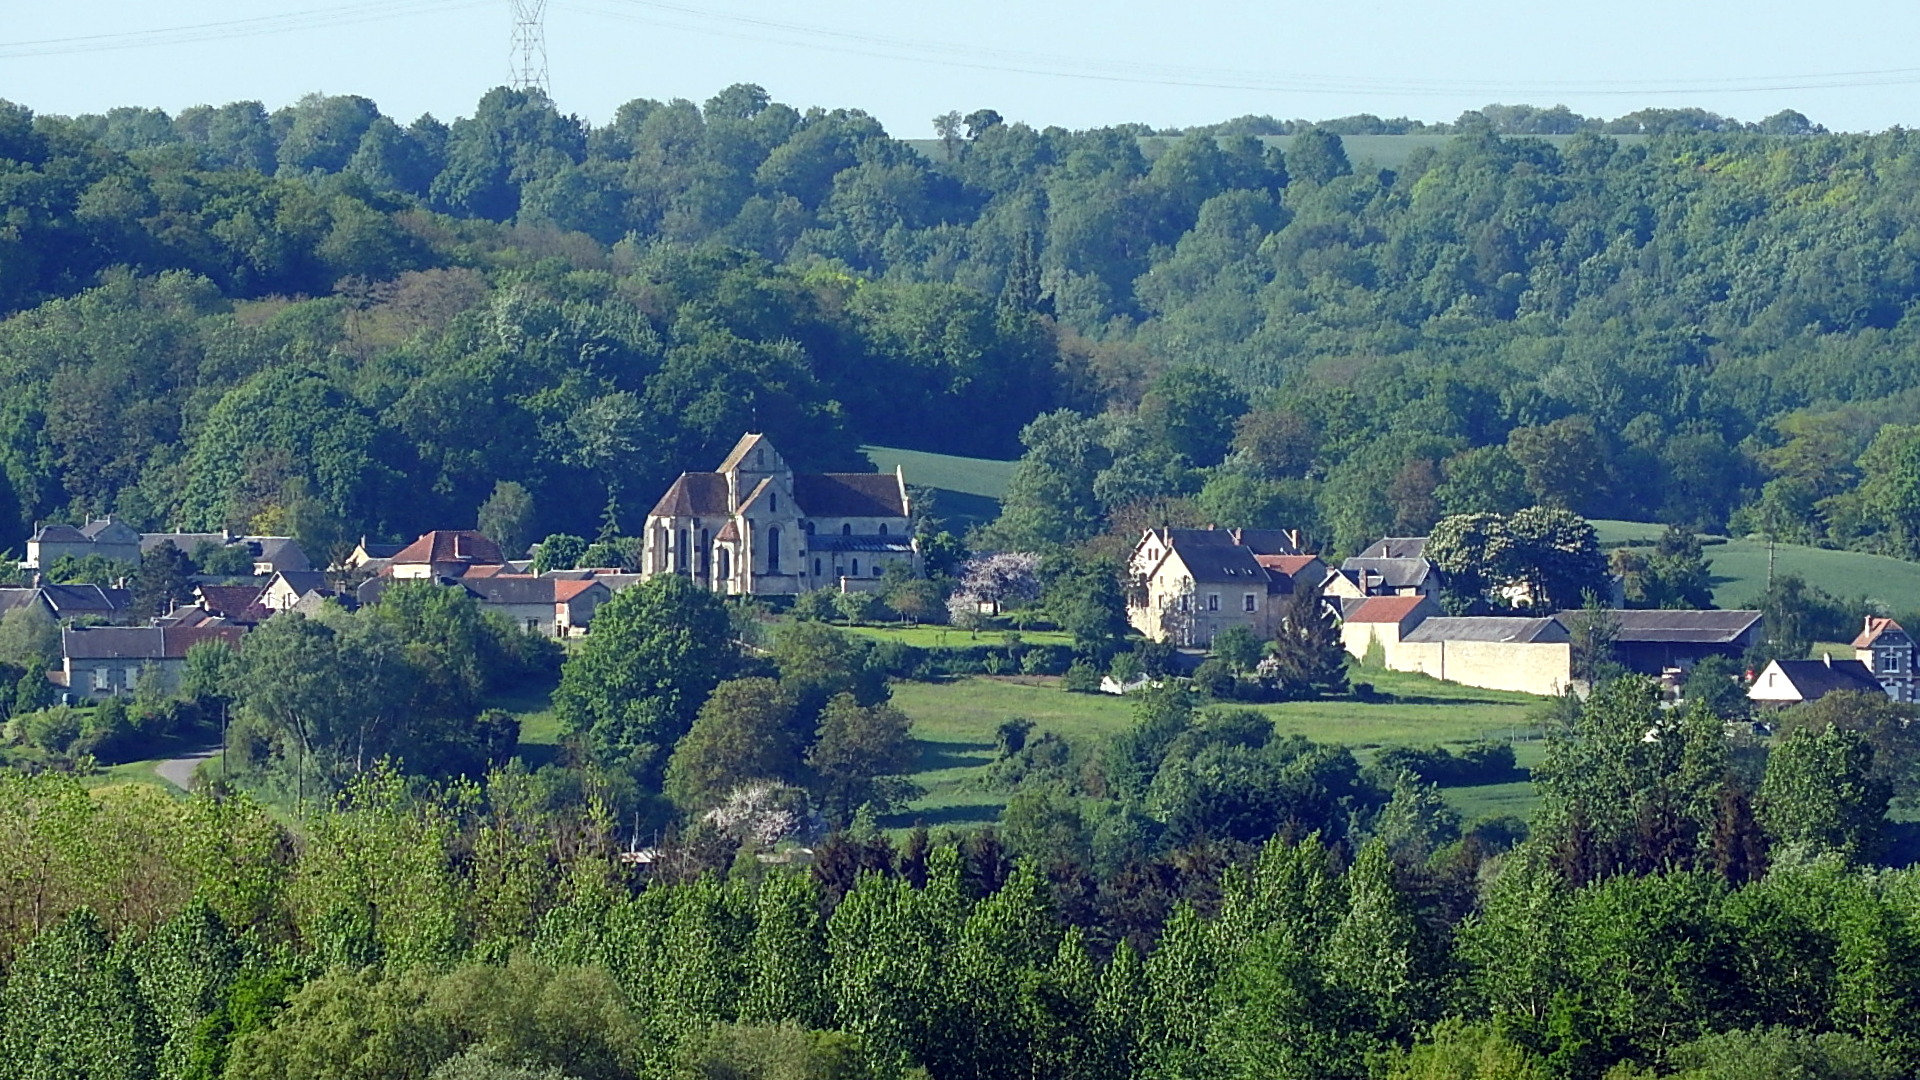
x=1081 y=678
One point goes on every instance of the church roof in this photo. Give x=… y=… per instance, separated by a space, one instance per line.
x=849 y=495
x=740 y=451
x=695 y=494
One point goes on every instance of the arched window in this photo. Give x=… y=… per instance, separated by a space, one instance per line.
x=808 y=526
x=816 y=567
x=726 y=565
x=846 y=530
x=773 y=502
x=883 y=530
x=773 y=550
x=706 y=551
x=856 y=568
x=684 y=563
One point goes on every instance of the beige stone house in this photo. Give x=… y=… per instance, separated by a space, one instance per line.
x=106 y=537
x=753 y=526
x=103 y=661
x=1187 y=585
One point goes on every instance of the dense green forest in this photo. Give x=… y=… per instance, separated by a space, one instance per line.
x=321 y=319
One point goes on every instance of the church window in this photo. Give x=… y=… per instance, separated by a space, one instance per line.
x=846 y=530
x=726 y=565
x=883 y=530
x=773 y=502
x=856 y=568
x=773 y=550
x=808 y=527
x=706 y=551
x=816 y=567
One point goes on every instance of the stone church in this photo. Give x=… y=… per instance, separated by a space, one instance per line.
x=754 y=526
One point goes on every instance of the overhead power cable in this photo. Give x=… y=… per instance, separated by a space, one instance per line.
x=228 y=29
x=708 y=21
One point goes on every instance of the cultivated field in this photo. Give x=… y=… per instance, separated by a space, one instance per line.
x=1740 y=568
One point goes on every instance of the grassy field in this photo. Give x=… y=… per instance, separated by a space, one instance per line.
x=966 y=490
x=955 y=723
x=1740 y=568
x=539 y=728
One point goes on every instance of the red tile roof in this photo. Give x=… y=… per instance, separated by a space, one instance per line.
x=1384 y=609
x=1290 y=565
x=564 y=591
x=452 y=546
x=1874 y=628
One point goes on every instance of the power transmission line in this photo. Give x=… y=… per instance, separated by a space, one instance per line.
x=530 y=45
x=707 y=21
x=227 y=29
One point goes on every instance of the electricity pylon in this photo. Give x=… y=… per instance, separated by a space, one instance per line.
x=530 y=45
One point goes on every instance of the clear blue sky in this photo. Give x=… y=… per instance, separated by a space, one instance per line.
x=1069 y=62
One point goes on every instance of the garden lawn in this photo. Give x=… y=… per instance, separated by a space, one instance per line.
x=955 y=724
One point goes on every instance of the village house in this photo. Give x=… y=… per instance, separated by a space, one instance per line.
x=1789 y=682
x=755 y=527
x=1187 y=585
x=269 y=554
x=444 y=553
x=547 y=606
x=1393 y=566
x=103 y=661
x=1887 y=650
x=288 y=587
x=105 y=537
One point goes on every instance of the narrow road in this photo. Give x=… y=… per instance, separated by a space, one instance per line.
x=179 y=771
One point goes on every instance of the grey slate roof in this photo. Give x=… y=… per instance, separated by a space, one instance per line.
x=1816 y=678
x=1396 y=547
x=59 y=534
x=188 y=543
x=1394 y=573
x=12 y=598
x=282 y=551
x=1489 y=628
x=304 y=581
x=511 y=590
x=1714 y=627
x=71 y=600
x=1219 y=564
x=848 y=495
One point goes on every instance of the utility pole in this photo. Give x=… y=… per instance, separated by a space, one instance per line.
x=530 y=45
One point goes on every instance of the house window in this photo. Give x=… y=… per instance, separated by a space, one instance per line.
x=102 y=679
x=533 y=626
x=773 y=550
x=1213 y=601
x=883 y=530
x=1249 y=601
x=133 y=677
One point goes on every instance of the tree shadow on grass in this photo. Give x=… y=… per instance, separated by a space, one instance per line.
x=964 y=814
x=954 y=755
x=537 y=755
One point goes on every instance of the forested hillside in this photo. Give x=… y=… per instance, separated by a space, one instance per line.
x=349 y=325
